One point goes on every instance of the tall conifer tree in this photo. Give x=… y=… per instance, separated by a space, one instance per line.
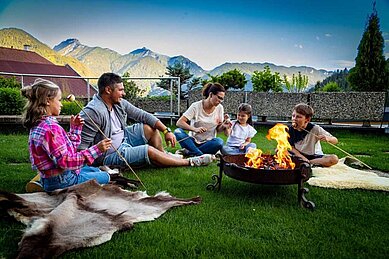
x=371 y=72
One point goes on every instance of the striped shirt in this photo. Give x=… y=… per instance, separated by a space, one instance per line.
x=53 y=151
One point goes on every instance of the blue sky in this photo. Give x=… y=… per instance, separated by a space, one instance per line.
x=321 y=34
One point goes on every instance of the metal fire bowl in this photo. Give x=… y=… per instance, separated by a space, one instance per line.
x=233 y=166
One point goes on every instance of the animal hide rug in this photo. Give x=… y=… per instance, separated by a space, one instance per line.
x=341 y=176
x=80 y=216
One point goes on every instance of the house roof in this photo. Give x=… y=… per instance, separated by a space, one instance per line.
x=9 y=54
x=27 y=62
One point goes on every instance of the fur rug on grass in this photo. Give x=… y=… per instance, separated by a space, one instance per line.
x=80 y=216
x=342 y=176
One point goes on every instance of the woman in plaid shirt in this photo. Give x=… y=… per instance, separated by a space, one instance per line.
x=53 y=151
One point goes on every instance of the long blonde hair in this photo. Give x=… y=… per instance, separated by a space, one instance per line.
x=37 y=94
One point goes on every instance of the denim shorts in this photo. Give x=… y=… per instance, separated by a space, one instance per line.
x=69 y=178
x=134 y=148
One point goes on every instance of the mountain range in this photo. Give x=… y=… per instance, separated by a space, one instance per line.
x=142 y=62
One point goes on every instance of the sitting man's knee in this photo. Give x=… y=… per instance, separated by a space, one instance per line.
x=148 y=128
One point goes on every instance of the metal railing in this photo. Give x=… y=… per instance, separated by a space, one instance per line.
x=88 y=85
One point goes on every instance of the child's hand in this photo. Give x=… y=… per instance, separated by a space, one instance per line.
x=104 y=145
x=323 y=138
x=242 y=146
x=76 y=120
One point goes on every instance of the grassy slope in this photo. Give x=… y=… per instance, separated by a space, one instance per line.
x=242 y=220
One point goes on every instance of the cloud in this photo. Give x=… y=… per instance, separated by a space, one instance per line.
x=328 y=35
x=298 y=46
x=317 y=38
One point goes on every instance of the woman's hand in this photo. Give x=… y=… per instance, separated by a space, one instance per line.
x=200 y=130
x=104 y=145
x=76 y=120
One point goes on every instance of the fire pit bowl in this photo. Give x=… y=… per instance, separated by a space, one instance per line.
x=234 y=167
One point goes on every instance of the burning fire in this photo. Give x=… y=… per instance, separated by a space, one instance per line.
x=282 y=158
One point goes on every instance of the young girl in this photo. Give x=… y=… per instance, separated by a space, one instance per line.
x=240 y=132
x=53 y=152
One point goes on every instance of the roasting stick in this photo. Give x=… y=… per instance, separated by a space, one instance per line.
x=72 y=98
x=335 y=146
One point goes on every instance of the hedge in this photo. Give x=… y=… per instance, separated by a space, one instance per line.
x=11 y=101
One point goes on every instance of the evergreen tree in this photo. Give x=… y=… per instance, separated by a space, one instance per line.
x=130 y=88
x=176 y=70
x=371 y=72
x=339 y=77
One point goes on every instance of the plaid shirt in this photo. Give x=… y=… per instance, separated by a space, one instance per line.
x=52 y=150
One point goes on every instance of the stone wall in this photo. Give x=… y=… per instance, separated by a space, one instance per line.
x=275 y=104
x=350 y=106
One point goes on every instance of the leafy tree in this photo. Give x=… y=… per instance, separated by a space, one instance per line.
x=298 y=83
x=234 y=79
x=9 y=82
x=176 y=70
x=332 y=87
x=130 y=88
x=371 y=72
x=213 y=79
x=265 y=81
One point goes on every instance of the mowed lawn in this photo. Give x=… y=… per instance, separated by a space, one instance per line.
x=242 y=220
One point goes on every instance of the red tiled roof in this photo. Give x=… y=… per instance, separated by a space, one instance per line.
x=22 y=56
x=38 y=65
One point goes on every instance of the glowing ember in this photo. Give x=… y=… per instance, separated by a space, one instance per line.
x=282 y=158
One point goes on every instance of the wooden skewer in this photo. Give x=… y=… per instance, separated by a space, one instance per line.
x=335 y=146
x=72 y=99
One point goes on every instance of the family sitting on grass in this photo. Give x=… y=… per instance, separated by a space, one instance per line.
x=64 y=158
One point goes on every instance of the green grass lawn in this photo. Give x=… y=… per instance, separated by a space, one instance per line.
x=242 y=219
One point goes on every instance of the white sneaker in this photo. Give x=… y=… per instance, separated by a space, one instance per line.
x=205 y=159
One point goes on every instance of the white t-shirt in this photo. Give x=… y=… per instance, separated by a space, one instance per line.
x=310 y=145
x=117 y=132
x=199 y=118
x=239 y=134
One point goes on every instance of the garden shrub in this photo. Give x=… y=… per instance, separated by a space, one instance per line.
x=9 y=82
x=69 y=108
x=11 y=101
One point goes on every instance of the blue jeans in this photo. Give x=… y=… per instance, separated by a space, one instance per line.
x=69 y=178
x=226 y=150
x=209 y=147
x=134 y=148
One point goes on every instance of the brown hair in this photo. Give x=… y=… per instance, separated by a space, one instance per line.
x=304 y=109
x=212 y=88
x=37 y=94
x=108 y=79
x=247 y=109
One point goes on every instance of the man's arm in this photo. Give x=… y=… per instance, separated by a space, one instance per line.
x=89 y=130
x=169 y=136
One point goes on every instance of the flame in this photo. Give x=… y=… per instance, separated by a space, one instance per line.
x=283 y=159
x=255 y=159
